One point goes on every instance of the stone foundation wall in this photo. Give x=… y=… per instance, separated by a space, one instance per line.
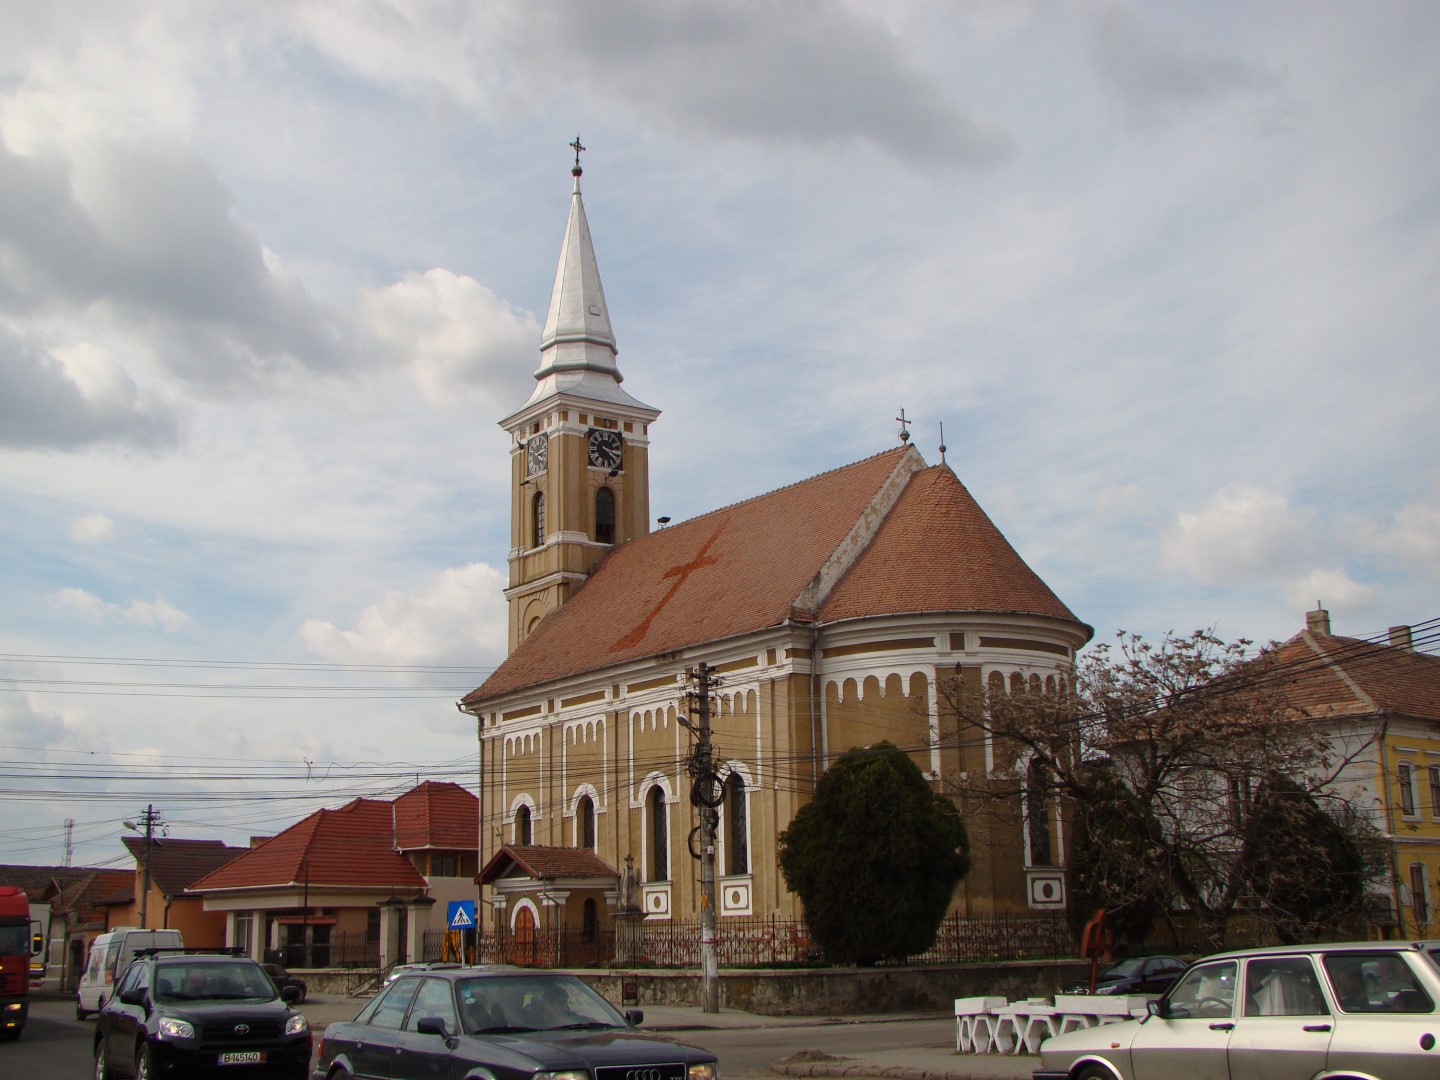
x=842 y=991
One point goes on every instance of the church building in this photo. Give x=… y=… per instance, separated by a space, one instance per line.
x=834 y=612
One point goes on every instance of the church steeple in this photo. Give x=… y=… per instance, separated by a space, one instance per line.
x=580 y=445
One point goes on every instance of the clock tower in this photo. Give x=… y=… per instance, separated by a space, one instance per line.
x=579 y=448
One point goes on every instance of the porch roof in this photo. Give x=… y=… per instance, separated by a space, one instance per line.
x=546 y=864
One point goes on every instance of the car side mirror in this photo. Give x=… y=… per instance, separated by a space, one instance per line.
x=290 y=994
x=134 y=996
x=432 y=1025
x=1160 y=1008
x=634 y=1017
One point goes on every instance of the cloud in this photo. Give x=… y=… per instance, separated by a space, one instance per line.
x=69 y=398
x=144 y=613
x=461 y=616
x=1152 y=72
x=1243 y=534
x=1412 y=534
x=467 y=347
x=807 y=72
x=141 y=234
x=1331 y=589
x=93 y=529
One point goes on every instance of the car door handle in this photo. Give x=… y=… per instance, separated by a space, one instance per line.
x=1227 y=1026
x=1317 y=1027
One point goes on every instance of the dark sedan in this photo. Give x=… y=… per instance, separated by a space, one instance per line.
x=1135 y=975
x=282 y=978
x=513 y=1025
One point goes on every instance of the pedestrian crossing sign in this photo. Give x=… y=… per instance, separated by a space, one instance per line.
x=462 y=915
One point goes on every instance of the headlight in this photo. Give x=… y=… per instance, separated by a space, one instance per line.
x=296 y=1024
x=1107 y=989
x=570 y=1074
x=175 y=1029
x=704 y=1071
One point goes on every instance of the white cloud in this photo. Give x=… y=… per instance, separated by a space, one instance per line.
x=1242 y=534
x=1151 y=70
x=1331 y=589
x=1412 y=535
x=94 y=529
x=468 y=348
x=459 y=618
x=143 y=613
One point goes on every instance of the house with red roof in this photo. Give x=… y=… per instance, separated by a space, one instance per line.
x=831 y=609
x=360 y=885
x=170 y=865
x=1380 y=703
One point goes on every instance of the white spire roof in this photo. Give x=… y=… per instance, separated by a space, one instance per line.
x=577 y=346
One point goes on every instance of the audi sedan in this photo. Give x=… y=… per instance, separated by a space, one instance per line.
x=511 y=1024
x=1361 y=1009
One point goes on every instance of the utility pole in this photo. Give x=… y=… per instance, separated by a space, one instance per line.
x=706 y=793
x=149 y=821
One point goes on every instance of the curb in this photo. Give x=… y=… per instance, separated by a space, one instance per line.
x=847 y=1067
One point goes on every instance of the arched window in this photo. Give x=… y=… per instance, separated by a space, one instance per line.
x=523 y=833
x=737 y=825
x=659 y=837
x=605 y=516
x=537 y=519
x=1037 y=813
x=585 y=823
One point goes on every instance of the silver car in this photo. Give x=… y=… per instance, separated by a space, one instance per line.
x=1359 y=1010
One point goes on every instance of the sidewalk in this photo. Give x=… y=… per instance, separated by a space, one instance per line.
x=915 y=1063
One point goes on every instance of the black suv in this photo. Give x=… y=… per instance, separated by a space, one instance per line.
x=189 y=1014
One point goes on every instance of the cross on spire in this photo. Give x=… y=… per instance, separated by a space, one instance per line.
x=904 y=431
x=576 y=171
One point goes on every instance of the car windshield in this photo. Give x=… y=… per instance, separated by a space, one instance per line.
x=212 y=982
x=539 y=1002
x=1121 y=968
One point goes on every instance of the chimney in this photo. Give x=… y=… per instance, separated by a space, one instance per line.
x=1318 y=621
x=1401 y=639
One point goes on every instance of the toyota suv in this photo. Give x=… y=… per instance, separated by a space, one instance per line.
x=190 y=1014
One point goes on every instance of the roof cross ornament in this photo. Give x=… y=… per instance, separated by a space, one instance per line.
x=904 y=431
x=576 y=171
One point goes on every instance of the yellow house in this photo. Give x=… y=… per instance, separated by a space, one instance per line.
x=1381 y=701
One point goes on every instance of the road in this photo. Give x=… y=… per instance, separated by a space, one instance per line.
x=749 y=1052
x=56 y=1046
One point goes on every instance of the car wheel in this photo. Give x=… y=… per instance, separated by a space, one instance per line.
x=1094 y=1072
x=301 y=999
x=102 y=1071
x=80 y=1014
x=142 y=1064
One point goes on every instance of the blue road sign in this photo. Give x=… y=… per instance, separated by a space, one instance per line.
x=461 y=914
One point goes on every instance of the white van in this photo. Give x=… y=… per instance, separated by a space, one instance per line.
x=109 y=953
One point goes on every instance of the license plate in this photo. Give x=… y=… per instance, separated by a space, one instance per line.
x=243 y=1057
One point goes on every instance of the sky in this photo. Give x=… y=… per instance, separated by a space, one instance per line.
x=270 y=273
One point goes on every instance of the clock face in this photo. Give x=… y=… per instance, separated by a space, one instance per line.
x=606 y=448
x=537 y=455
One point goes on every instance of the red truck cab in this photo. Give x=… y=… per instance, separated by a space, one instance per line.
x=14 y=961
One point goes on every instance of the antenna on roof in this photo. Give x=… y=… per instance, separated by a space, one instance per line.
x=942 y=442
x=904 y=431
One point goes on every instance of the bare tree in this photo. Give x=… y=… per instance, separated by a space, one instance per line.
x=1190 y=726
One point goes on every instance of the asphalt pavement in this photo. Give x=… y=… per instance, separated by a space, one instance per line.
x=905 y=1063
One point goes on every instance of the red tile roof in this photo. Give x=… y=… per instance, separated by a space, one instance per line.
x=437 y=815
x=351 y=846
x=1340 y=676
x=546 y=863
x=938 y=551
x=747 y=567
x=175 y=864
